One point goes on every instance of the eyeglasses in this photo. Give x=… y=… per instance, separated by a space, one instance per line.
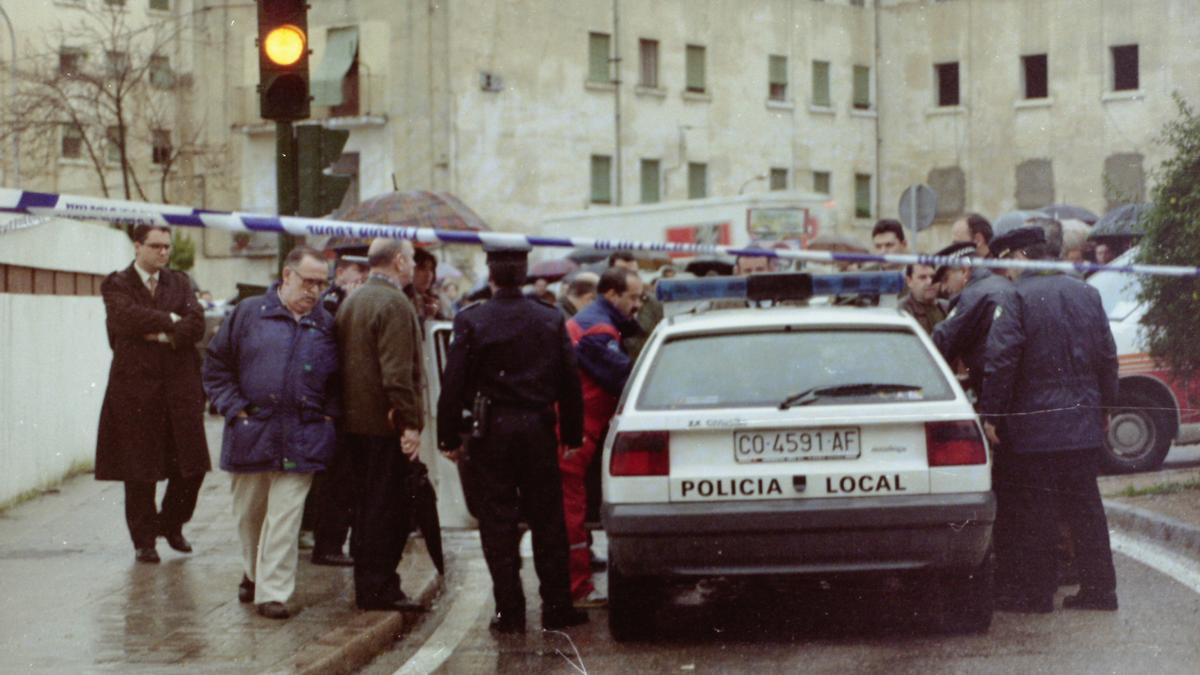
x=158 y=247
x=318 y=285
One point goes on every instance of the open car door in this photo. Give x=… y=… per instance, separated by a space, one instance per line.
x=452 y=503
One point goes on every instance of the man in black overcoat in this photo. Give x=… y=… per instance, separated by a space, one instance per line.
x=151 y=422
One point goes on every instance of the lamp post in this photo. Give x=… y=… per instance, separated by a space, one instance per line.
x=12 y=77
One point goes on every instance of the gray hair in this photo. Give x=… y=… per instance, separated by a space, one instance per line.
x=1054 y=233
x=1075 y=234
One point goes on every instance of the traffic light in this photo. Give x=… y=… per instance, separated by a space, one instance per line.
x=317 y=148
x=283 y=60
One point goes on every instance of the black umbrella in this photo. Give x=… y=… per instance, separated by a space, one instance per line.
x=1123 y=221
x=424 y=512
x=1070 y=212
x=701 y=267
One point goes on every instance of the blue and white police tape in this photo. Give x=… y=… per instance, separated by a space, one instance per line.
x=124 y=212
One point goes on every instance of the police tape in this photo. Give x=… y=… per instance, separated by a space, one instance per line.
x=122 y=212
x=24 y=223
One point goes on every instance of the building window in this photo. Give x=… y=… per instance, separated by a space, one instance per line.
x=648 y=71
x=950 y=185
x=601 y=179
x=116 y=64
x=70 y=61
x=161 y=146
x=820 y=84
x=115 y=3
x=695 y=69
x=1035 y=184
x=599 y=49
x=160 y=73
x=697 y=180
x=947 y=83
x=1124 y=180
x=862 y=88
x=651 y=180
x=160 y=5
x=858 y=3
x=777 y=78
x=72 y=142
x=112 y=144
x=1125 y=67
x=779 y=179
x=1033 y=69
x=862 y=195
x=821 y=182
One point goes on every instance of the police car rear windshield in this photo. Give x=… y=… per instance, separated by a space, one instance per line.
x=762 y=368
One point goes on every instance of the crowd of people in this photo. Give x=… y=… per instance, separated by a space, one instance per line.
x=321 y=381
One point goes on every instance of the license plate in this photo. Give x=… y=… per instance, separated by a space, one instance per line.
x=793 y=445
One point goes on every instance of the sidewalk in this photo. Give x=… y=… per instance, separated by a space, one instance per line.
x=75 y=600
x=1161 y=506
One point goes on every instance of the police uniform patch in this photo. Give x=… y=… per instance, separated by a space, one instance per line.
x=996 y=314
x=952 y=313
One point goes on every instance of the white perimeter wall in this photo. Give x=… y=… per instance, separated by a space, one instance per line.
x=54 y=356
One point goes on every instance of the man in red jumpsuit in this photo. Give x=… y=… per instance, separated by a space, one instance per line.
x=596 y=333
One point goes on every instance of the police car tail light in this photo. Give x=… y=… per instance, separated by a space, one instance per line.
x=641 y=453
x=954 y=443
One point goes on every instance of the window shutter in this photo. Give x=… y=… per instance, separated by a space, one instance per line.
x=650 y=181
x=820 y=76
x=601 y=179
x=695 y=68
x=862 y=87
x=697 y=180
x=862 y=196
x=598 y=55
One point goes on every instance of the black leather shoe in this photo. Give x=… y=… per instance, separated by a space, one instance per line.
x=563 y=618
x=1103 y=601
x=176 y=540
x=1021 y=604
x=507 y=623
x=246 y=590
x=274 y=610
x=333 y=560
x=147 y=555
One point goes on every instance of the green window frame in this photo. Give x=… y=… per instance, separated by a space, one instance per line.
x=599 y=53
x=697 y=180
x=777 y=77
x=601 y=179
x=862 y=88
x=651 y=181
x=862 y=195
x=695 y=69
x=820 y=84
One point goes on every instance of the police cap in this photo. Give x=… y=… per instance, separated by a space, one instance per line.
x=956 y=251
x=506 y=250
x=1016 y=240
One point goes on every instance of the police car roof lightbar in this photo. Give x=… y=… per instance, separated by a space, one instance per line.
x=780 y=286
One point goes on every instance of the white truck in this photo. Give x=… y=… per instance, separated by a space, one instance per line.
x=769 y=219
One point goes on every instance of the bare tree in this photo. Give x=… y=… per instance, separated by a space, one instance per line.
x=104 y=91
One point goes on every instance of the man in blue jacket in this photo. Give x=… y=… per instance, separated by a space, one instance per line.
x=272 y=372
x=1050 y=376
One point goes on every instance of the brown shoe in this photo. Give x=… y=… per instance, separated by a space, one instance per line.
x=274 y=610
x=147 y=555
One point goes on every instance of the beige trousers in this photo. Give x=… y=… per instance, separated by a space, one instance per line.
x=268 y=507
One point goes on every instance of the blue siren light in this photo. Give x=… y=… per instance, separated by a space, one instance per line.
x=780 y=286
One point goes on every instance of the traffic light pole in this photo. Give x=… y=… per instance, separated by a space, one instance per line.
x=286 y=183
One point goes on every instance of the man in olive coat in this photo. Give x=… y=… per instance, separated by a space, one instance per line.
x=151 y=422
x=379 y=341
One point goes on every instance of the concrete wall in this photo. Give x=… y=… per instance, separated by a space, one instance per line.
x=55 y=356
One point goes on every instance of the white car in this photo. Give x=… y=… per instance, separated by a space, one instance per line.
x=795 y=440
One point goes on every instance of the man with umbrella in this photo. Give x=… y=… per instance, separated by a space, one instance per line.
x=511 y=364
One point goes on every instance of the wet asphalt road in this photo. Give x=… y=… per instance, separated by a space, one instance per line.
x=788 y=627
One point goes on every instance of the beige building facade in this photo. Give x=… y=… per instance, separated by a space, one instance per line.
x=530 y=108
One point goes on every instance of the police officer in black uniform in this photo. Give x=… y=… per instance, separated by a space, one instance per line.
x=963 y=334
x=1050 y=376
x=511 y=364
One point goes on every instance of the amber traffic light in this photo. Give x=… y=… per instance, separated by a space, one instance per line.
x=283 y=86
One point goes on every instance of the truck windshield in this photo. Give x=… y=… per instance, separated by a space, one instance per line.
x=760 y=369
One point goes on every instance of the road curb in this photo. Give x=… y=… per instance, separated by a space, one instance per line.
x=351 y=646
x=1175 y=534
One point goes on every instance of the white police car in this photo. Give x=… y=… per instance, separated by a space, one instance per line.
x=795 y=440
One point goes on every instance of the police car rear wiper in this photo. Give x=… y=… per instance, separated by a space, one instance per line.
x=860 y=389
